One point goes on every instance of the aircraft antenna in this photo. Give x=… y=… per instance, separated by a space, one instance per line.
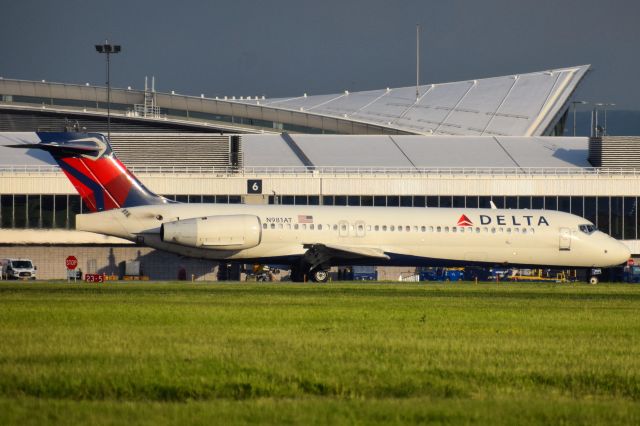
x=417 y=62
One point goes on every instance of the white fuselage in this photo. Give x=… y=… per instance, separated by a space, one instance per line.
x=409 y=236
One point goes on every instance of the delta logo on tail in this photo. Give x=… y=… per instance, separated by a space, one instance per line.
x=464 y=221
x=102 y=181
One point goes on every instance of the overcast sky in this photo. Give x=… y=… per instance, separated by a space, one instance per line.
x=282 y=48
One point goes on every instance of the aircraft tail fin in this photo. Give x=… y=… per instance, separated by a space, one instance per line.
x=103 y=182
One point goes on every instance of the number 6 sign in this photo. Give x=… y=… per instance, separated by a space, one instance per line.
x=254 y=186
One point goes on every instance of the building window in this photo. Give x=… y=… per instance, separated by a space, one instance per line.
x=393 y=201
x=524 y=202
x=603 y=214
x=577 y=206
x=537 y=203
x=406 y=201
x=617 y=215
x=630 y=212
x=445 y=201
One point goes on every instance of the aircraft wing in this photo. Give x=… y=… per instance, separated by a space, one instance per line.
x=318 y=254
x=357 y=251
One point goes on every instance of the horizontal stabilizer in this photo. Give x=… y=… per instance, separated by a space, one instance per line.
x=66 y=149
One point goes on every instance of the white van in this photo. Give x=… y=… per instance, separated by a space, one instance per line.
x=18 y=269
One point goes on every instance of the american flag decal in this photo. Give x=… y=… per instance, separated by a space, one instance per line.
x=305 y=219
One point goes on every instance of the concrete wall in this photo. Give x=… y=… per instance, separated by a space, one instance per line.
x=158 y=265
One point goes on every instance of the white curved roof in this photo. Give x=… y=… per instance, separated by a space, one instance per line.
x=514 y=105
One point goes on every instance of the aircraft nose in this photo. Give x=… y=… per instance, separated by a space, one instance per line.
x=618 y=252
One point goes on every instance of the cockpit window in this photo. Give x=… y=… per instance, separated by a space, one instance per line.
x=587 y=229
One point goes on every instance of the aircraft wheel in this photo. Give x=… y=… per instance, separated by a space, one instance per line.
x=320 y=275
x=593 y=280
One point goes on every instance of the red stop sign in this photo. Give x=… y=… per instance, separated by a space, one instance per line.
x=71 y=262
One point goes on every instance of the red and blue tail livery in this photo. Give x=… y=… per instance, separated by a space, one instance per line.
x=103 y=182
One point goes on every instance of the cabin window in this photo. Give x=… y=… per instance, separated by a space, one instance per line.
x=423 y=228
x=501 y=230
x=439 y=228
x=311 y=226
x=368 y=227
x=431 y=229
x=508 y=230
x=462 y=230
x=343 y=227
x=446 y=229
x=288 y=226
x=377 y=227
x=399 y=228
x=264 y=226
x=493 y=230
x=335 y=227
x=360 y=228
x=454 y=229
x=477 y=230
x=280 y=226
x=273 y=226
x=295 y=226
x=384 y=227
x=319 y=227
x=516 y=230
x=524 y=230
x=532 y=230
x=392 y=228
x=415 y=229
x=485 y=229
x=304 y=226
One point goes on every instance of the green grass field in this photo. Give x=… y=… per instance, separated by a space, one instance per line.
x=151 y=353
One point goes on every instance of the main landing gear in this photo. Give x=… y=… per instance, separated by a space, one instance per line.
x=303 y=273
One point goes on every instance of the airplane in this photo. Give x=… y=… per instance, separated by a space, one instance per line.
x=312 y=239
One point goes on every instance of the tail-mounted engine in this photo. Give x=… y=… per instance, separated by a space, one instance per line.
x=233 y=232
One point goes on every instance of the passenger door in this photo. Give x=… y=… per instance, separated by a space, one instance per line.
x=565 y=239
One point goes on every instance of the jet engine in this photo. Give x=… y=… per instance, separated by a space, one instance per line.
x=233 y=232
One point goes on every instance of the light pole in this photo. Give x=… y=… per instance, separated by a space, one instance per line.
x=574 y=103
x=605 y=117
x=598 y=129
x=108 y=49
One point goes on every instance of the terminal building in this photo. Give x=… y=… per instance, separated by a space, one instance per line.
x=459 y=144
